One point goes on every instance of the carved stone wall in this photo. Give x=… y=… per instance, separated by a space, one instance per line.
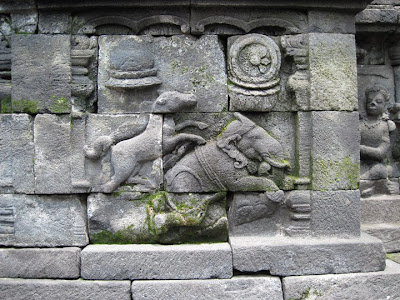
x=179 y=140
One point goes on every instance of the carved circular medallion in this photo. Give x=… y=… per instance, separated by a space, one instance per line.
x=254 y=61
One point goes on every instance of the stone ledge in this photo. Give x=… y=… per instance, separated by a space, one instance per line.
x=240 y=287
x=388 y=233
x=48 y=289
x=377 y=285
x=40 y=263
x=302 y=256
x=201 y=261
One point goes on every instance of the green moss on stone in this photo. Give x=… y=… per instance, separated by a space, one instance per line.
x=123 y=236
x=60 y=105
x=25 y=106
x=6 y=107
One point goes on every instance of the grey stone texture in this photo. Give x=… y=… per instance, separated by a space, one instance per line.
x=335 y=213
x=331 y=22
x=189 y=261
x=380 y=217
x=52 y=154
x=16 y=154
x=238 y=287
x=42 y=221
x=133 y=68
x=24 y=22
x=54 y=22
x=123 y=150
x=160 y=217
x=37 y=289
x=286 y=256
x=382 y=15
x=40 y=262
x=357 y=286
x=41 y=73
x=335 y=150
x=333 y=72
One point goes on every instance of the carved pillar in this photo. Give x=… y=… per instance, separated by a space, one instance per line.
x=394 y=55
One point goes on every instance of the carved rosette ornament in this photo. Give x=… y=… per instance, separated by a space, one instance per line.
x=254 y=61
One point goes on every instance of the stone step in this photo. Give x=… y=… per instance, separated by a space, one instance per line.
x=239 y=287
x=388 y=233
x=40 y=263
x=285 y=256
x=49 y=289
x=355 y=286
x=189 y=261
x=380 y=209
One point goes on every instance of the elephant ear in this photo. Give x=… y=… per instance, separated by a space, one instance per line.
x=247 y=124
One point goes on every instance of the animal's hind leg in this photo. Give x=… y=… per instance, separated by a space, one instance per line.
x=121 y=174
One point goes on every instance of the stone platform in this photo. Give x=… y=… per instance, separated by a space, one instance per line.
x=380 y=217
x=296 y=256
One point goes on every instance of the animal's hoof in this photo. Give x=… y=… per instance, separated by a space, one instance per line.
x=276 y=196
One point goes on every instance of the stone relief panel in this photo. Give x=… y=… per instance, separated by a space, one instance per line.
x=254 y=63
x=5 y=64
x=135 y=70
x=159 y=217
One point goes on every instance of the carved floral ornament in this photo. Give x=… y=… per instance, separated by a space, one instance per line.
x=254 y=62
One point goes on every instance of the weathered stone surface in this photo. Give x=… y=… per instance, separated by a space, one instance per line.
x=48 y=221
x=333 y=71
x=371 y=15
x=16 y=154
x=394 y=257
x=41 y=73
x=127 y=218
x=36 y=289
x=52 y=154
x=357 y=286
x=330 y=22
x=133 y=68
x=285 y=256
x=335 y=213
x=200 y=261
x=335 y=151
x=24 y=22
x=40 y=263
x=241 y=156
x=388 y=233
x=380 y=209
x=123 y=150
x=54 y=22
x=240 y=287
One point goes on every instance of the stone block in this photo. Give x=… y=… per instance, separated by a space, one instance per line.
x=331 y=22
x=286 y=256
x=335 y=151
x=133 y=68
x=42 y=221
x=240 y=287
x=382 y=15
x=16 y=154
x=333 y=71
x=123 y=150
x=52 y=154
x=54 y=22
x=380 y=209
x=36 y=289
x=200 y=261
x=41 y=73
x=40 y=263
x=335 y=213
x=357 y=286
x=129 y=218
x=24 y=22
x=388 y=233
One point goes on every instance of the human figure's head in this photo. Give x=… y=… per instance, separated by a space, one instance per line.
x=376 y=99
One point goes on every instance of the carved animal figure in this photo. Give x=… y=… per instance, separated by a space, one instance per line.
x=230 y=162
x=130 y=149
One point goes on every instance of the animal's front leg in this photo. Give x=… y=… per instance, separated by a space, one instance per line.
x=121 y=174
x=254 y=184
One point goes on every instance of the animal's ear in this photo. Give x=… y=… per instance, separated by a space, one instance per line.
x=242 y=118
x=161 y=100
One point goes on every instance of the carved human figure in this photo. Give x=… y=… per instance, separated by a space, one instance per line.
x=375 y=128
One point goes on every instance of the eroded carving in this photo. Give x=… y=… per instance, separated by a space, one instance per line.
x=298 y=83
x=158 y=217
x=254 y=62
x=238 y=160
x=7 y=219
x=375 y=129
x=82 y=52
x=5 y=64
